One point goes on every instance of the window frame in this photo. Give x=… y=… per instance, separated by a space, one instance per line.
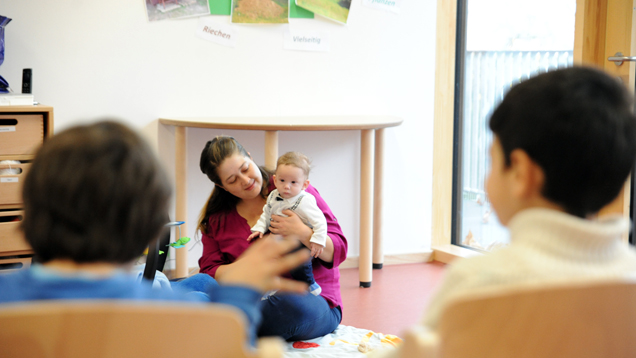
x=589 y=48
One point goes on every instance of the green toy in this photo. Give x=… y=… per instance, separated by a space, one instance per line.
x=180 y=243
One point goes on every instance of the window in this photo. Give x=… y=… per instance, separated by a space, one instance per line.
x=499 y=43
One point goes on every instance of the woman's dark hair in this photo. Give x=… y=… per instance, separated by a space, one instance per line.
x=578 y=125
x=213 y=154
x=94 y=193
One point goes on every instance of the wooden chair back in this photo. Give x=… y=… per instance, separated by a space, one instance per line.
x=126 y=329
x=592 y=320
x=579 y=321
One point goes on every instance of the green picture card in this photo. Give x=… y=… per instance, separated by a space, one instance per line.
x=220 y=7
x=297 y=12
x=224 y=7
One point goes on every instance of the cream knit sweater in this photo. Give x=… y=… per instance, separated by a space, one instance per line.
x=546 y=246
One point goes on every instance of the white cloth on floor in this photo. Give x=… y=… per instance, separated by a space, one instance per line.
x=343 y=342
x=161 y=281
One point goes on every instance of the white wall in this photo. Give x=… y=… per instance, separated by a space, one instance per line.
x=93 y=59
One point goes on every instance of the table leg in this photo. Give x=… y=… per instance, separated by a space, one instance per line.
x=271 y=149
x=366 y=184
x=378 y=255
x=181 y=212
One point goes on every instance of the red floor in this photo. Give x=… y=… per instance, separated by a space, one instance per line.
x=395 y=300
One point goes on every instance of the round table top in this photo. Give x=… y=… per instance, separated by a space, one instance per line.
x=288 y=123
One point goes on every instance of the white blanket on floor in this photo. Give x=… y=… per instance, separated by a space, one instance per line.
x=343 y=342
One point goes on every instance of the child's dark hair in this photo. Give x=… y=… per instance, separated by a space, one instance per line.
x=94 y=193
x=578 y=125
x=212 y=155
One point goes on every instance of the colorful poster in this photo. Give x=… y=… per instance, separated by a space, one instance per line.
x=297 y=12
x=260 y=11
x=224 y=7
x=220 y=7
x=337 y=10
x=386 y=5
x=175 y=9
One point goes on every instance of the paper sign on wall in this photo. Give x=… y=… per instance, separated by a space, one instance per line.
x=8 y=180
x=306 y=40
x=222 y=34
x=386 y=5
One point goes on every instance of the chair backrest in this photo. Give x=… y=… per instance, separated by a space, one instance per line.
x=123 y=329
x=580 y=320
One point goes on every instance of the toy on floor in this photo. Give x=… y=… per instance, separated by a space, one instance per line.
x=364 y=346
x=305 y=345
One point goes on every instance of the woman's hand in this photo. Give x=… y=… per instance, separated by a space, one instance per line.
x=292 y=227
x=261 y=265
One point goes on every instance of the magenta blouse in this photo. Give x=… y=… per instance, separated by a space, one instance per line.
x=227 y=239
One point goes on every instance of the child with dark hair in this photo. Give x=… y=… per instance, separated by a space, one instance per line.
x=94 y=199
x=565 y=143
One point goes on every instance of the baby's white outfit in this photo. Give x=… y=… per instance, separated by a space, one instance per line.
x=304 y=205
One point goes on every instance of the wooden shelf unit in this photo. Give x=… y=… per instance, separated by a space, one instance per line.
x=22 y=131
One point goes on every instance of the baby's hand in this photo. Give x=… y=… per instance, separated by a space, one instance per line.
x=255 y=234
x=316 y=249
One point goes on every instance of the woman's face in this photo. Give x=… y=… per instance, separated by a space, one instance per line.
x=240 y=176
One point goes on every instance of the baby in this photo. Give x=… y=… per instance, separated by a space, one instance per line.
x=291 y=180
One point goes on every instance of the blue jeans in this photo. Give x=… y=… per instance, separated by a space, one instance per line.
x=298 y=317
x=198 y=285
x=202 y=285
x=304 y=272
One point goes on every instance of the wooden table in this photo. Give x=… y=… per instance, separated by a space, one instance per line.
x=371 y=255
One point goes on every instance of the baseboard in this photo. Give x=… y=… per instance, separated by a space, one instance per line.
x=447 y=253
x=400 y=259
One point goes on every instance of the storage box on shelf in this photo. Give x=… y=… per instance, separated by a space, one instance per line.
x=22 y=131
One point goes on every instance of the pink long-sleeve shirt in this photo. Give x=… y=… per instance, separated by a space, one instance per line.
x=227 y=239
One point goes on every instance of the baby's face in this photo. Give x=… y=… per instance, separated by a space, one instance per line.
x=290 y=181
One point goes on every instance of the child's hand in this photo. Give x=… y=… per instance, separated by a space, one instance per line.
x=316 y=249
x=255 y=234
x=261 y=265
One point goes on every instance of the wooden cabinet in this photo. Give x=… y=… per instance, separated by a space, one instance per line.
x=22 y=130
